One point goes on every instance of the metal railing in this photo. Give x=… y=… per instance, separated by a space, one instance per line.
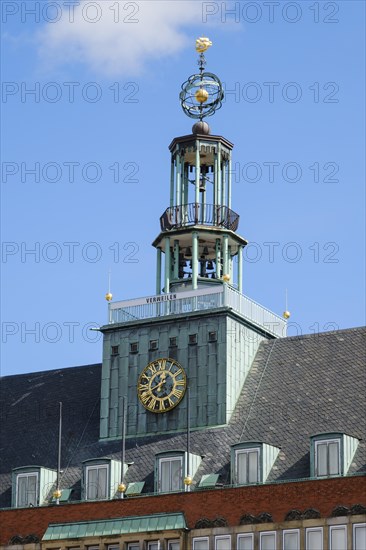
x=198 y=300
x=195 y=213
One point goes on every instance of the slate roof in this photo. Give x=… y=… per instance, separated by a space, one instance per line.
x=297 y=387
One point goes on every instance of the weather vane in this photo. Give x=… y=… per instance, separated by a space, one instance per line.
x=202 y=93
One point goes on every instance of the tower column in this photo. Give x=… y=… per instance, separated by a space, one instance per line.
x=218 y=259
x=183 y=180
x=194 y=260
x=226 y=254
x=240 y=268
x=167 y=265
x=230 y=262
x=172 y=174
x=219 y=190
x=198 y=173
x=215 y=189
x=229 y=184
x=178 y=178
x=223 y=190
x=158 y=270
x=176 y=259
x=185 y=193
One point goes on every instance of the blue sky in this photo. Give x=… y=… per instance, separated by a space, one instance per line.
x=96 y=131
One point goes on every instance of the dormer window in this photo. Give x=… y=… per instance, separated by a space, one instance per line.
x=32 y=486
x=170 y=474
x=101 y=478
x=251 y=462
x=171 y=468
x=331 y=454
x=247 y=466
x=327 y=458
x=96 y=485
x=27 y=490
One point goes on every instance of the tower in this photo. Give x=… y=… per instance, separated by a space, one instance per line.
x=199 y=330
x=198 y=230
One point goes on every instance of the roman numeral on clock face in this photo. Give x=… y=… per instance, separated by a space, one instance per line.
x=177 y=393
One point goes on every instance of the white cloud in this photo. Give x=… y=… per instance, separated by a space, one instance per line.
x=125 y=37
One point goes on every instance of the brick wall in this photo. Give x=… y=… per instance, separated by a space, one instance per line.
x=276 y=499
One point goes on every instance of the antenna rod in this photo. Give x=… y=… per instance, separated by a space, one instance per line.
x=123 y=452
x=188 y=433
x=59 y=454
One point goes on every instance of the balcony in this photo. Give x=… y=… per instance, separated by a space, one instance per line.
x=177 y=217
x=191 y=301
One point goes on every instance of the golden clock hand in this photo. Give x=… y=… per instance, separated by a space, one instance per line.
x=163 y=376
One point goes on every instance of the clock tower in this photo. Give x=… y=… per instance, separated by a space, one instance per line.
x=199 y=329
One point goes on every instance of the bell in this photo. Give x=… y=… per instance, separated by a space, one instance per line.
x=188 y=251
x=205 y=251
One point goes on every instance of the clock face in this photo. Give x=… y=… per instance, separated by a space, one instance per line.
x=161 y=385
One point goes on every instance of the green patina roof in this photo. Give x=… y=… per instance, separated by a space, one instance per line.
x=118 y=526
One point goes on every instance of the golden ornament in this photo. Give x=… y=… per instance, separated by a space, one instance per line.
x=202 y=44
x=121 y=488
x=188 y=480
x=201 y=95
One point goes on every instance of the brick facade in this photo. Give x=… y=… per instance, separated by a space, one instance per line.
x=230 y=503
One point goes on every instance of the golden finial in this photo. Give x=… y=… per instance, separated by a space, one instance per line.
x=202 y=44
x=121 y=488
x=57 y=494
x=286 y=313
x=109 y=295
x=226 y=278
x=188 y=481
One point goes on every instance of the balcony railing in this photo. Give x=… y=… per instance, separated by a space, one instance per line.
x=198 y=300
x=176 y=217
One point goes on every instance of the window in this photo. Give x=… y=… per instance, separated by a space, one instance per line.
x=112 y=547
x=154 y=344
x=170 y=474
x=291 y=539
x=115 y=350
x=359 y=536
x=173 y=342
x=327 y=457
x=223 y=543
x=153 y=545
x=212 y=336
x=192 y=339
x=27 y=489
x=247 y=466
x=97 y=482
x=245 y=542
x=133 y=546
x=200 y=543
x=314 y=538
x=268 y=540
x=134 y=347
x=338 y=537
x=173 y=545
